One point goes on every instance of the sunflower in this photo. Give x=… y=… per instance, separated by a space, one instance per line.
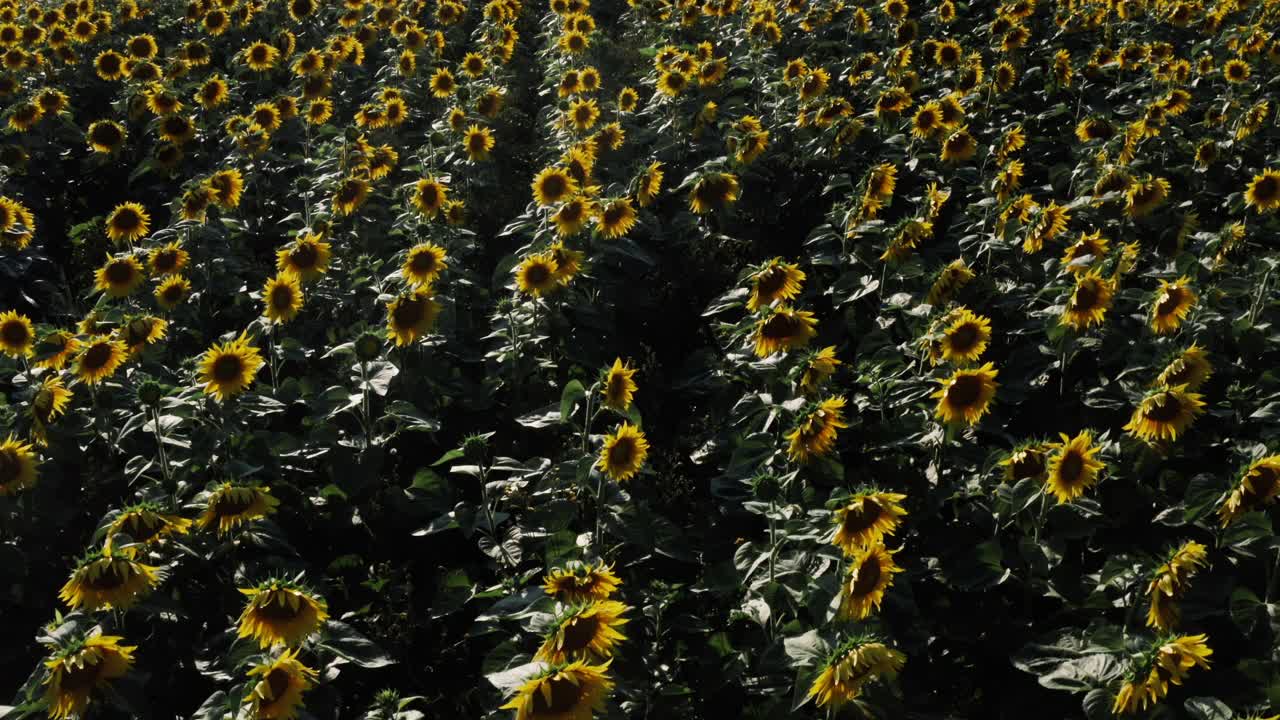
x=814 y=435
x=105 y=136
x=1073 y=466
x=1089 y=301
x=350 y=195
x=582 y=114
x=17 y=336
x=55 y=349
x=617 y=386
x=965 y=396
x=261 y=56
x=279 y=612
x=572 y=216
x=81 y=668
x=966 y=338
x=713 y=191
x=1170 y=582
x=128 y=222
x=650 y=184
x=1172 y=303
x=307 y=257
x=319 y=111
x=959 y=146
x=1170 y=663
x=1084 y=252
x=536 y=275
x=568 y=262
x=103 y=581
x=24 y=116
x=775 y=281
x=870 y=574
x=477 y=141
x=442 y=83
x=1145 y=195
x=99 y=358
x=616 y=218
x=1028 y=460
x=277 y=693
x=429 y=196
x=623 y=452
x=1263 y=192
x=588 y=632
x=139 y=332
x=1236 y=71
x=47 y=403
x=553 y=185
x=410 y=316
x=1258 y=487
x=228 y=506
x=227 y=185
x=145 y=523
x=109 y=65
x=228 y=368
x=857 y=662
x=781 y=328
x=1191 y=368
x=19 y=466
x=282 y=298
x=1048 y=224
x=119 y=277
x=170 y=293
x=168 y=259
x=581 y=582
x=1165 y=413
x=563 y=692
x=866 y=519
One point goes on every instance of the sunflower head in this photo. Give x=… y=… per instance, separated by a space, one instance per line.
x=857 y=661
x=278 y=686
x=281 y=612
x=581 y=582
x=1263 y=192
x=307 y=257
x=623 y=453
x=585 y=631
x=410 y=316
x=1089 y=302
x=1191 y=368
x=537 y=275
x=866 y=518
x=1258 y=487
x=102 y=580
x=573 y=691
x=146 y=523
x=616 y=218
x=814 y=434
x=775 y=281
x=17 y=335
x=228 y=506
x=80 y=668
x=424 y=264
x=128 y=222
x=618 y=386
x=19 y=466
x=870 y=574
x=228 y=369
x=282 y=298
x=1072 y=467
x=713 y=191
x=1172 y=303
x=99 y=358
x=781 y=328
x=1164 y=414
x=965 y=396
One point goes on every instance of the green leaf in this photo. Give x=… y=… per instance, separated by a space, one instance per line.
x=807 y=650
x=346 y=642
x=569 y=397
x=1208 y=708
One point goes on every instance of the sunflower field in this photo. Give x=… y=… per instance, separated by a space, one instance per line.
x=572 y=359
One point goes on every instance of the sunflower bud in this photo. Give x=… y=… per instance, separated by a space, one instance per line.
x=765 y=488
x=475 y=447
x=368 y=347
x=150 y=392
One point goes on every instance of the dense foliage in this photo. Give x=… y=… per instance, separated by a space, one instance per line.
x=668 y=358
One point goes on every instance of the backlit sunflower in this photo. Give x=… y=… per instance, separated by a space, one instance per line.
x=1072 y=466
x=582 y=114
x=429 y=196
x=1164 y=414
x=623 y=452
x=279 y=686
x=212 y=93
x=616 y=218
x=959 y=146
x=1191 y=368
x=139 y=332
x=573 y=216
x=128 y=222
x=618 y=386
x=307 y=257
x=965 y=396
x=19 y=466
x=350 y=195
x=814 y=434
x=781 y=329
x=79 y=669
x=229 y=506
x=553 y=185
x=855 y=663
x=17 y=336
x=581 y=582
x=228 y=369
x=713 y=191
x=442 y=83
x=966 y=337
x=410 y=316
x=477 y=141
x=279 y=612
x=47 y=403
x=1145 y=195
x=261 y=56
x=55 y=349
x=1170 y=663
x=775 y=281
x=1173 y=300
x=282 y=298
x=1084 y=253
x=227 y=186
x=423 y=265
x=537 y=275
x=99 y=358
x=168 y=259
x=172 y=292
x=105 y=136
x=584 y=632
x=820 y=366
x=866 y=518
x=120 y=276
x=870 y=574
x=563 y=692
x=1258 y=487
x=145 y=523
x=568 y=261
x=103 y=581
x=1170 y=582
x=1263 y=192
x=1089 y=302
x=650 y=184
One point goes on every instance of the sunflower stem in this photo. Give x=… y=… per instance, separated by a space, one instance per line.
x=271 y=348
x=165 y=471
x=1273 y=583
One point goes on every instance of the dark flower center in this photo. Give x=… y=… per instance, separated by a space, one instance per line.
x=965 y=391
x=228 y=505
x=554 y=186
x=1268 y=188
x=227 y=368
x=861 y=516
x=278 y=680
x=1085 y=297
x=14 y=334
x=1165 y=408
x=10 y=467
x=409 y=313
x=138 y=527
x=622 y=452
x=112 y=576
x=868 y=577
x=106 y=134
x=770 y=282
x=83 y=678
x=537 y=274
x=96 y=357
x=564 y=697
x=127 y=220
x=964 y=338
x=1026 y=464
x=274 y=610
x=579 y=632
x=282 y=297
x=1170 y=301
x=1071 y=469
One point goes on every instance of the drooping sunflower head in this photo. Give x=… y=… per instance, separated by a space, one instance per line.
x=814 y=434
x=618 y=385
x=81 y=667
x=959 y=146
x=138 y=332
x=410 y=316
x=1173 y=300
x=1164 y=414
x=1258 y=487
x=819 y=366
x=1145 y=195
x=228 y=369
x=623 y=452
x=866 y=518
x=1089 y=302
x=781 y=328
x=650 y=184
x=229 y=506
x=573 y=216
x=55 y=349
x=1073 y=466
x=537 y=275
x=856 y=662
x=281 y=612
x=19 y=466
x=966 y=337
x=1191 y=368
x=588 y=631
x=870 y=574
x=102 y=580
x=282 y=297
x=105 y=136
x=17 y=335
x=713 y=191
x=146 y=523
x=1085 y=252
x=1170 y=582
x=278 y=687
x=1027 y=460
x=965 y=396
x=775 y=281
x=563 y=692
x=350 y=195
x=99 y=358
x=581 y=582
x=227 y=186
